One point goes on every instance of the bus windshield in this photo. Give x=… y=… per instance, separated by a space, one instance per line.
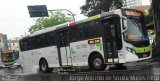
x=7 y=57
x=135 y=31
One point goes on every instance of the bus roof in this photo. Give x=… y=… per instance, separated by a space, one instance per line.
x=72 y=23
x=49 y=29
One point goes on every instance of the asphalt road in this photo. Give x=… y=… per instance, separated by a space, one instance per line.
x=137 y=71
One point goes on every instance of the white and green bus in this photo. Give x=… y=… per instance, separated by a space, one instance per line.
x=114 y=37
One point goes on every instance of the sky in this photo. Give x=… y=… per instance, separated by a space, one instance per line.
x=15 y=19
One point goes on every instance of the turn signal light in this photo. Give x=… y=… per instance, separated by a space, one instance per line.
x=91 y=42
x=97 y=40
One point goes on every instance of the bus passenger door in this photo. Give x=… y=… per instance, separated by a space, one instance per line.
x=64 y=48
x=111 y=43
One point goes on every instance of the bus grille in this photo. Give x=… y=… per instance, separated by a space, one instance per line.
x=143 y=55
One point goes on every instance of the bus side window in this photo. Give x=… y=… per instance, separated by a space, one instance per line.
x=80 y=33
x=73 y=34
x=63 y=38
x=40 y=39
x=93 y=29
x=50 y=39
x=31 y=43
x=77 y=33
x=87 y=32
x=24 y=44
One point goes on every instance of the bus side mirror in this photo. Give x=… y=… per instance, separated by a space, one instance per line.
x=124 y=22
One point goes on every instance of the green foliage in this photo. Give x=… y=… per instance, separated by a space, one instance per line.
x=94 y=7
x=45 y=22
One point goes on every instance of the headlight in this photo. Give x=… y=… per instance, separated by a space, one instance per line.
x=131 y=50
x=128 y=49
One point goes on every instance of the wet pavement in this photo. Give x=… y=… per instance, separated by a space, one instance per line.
x=137 y=71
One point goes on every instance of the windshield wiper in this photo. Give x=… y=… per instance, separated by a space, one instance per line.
x=134 y=22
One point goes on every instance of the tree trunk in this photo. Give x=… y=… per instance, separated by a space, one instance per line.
x=156 y=13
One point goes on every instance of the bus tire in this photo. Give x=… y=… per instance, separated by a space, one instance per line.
x=43 y=65
x=97 y=63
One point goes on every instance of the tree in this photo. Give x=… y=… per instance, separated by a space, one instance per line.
x=94 y=7
x=45 y=22
x=156 y=18
x=149 y=17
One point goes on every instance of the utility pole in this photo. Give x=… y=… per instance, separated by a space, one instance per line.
x=64 y=10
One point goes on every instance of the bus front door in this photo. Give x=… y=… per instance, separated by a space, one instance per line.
x=64 y=49
x=111 y=54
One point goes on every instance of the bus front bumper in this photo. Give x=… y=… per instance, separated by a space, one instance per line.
x=130 y=57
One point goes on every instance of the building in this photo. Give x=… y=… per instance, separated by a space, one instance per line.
x=13 y=44
x=131 y=3
x=144 y=9
x=3 y=42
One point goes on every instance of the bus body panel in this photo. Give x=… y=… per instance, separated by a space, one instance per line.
x=131 y=57
x=81 y=50
x=32 y=57
x=65 y=56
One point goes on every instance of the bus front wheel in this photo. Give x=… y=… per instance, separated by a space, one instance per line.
x=44 y=66
x=97 y=63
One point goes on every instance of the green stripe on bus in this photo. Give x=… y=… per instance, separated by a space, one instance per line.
x=72 y=51
x=6 y=63
x=141 y=49
x=99 y=45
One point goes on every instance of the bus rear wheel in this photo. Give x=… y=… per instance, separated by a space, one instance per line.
x=97 y=63
x=44 y=66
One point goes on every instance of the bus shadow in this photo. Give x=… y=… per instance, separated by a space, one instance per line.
x=118 y=67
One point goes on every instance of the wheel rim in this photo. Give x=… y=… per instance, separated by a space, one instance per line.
x=97 y=63
x=43 y=65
